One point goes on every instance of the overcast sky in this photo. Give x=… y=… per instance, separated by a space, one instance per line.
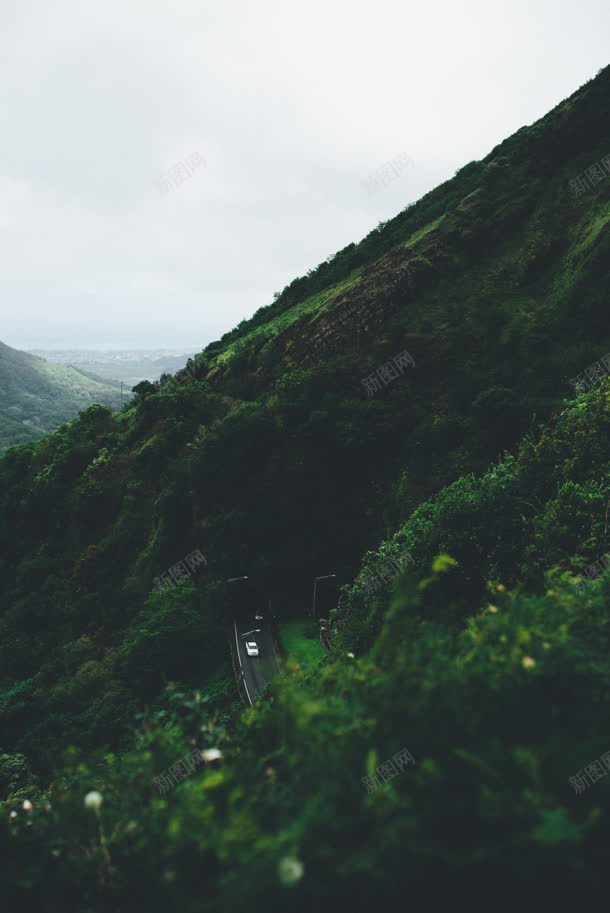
x=292 y=106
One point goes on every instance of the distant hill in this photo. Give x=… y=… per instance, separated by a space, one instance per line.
x=37 y=395
x=128 y=365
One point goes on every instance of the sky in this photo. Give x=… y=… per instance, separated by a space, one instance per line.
x=291 y=107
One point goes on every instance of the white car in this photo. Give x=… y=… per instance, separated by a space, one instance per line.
x=251 y=648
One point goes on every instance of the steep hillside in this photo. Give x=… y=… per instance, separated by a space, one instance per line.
x=453 y=747
x=395 y=395
x=36 y=395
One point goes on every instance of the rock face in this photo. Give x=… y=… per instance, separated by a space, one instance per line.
x=364 y=309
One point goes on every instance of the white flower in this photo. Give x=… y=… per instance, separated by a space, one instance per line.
x=290 y=870
x=27 y=805
x=211 y=754
x=93 y=800
x=351 y=656
x=13 y=815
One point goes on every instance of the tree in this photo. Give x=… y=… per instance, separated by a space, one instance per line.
x=144 y=389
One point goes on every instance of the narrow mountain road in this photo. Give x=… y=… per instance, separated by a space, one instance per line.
x=255 y=670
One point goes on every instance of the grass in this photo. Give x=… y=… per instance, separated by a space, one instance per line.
x=318 y=302
x=306 y=650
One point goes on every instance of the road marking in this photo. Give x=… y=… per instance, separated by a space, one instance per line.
x=240 y=665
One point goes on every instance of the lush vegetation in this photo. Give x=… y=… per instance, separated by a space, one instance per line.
x=36 y=395
x=300 y=641
x=484 y=659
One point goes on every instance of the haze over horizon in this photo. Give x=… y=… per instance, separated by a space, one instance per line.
x=100 y=347
x=95 y=257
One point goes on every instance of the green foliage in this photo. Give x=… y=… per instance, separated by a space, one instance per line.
x=301 y=642
x=481 y=657
x=144 y=389
x=15 y=773
x=172 y=637
x=36 y=395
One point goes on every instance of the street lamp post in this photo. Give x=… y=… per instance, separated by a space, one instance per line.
x=232 y=606
x=315 y=583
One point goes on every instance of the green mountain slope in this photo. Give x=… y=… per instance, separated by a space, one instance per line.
x=268 y=455
x=36 y=395
x=498 y=694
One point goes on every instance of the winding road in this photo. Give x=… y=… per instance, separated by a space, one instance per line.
x=255 y=671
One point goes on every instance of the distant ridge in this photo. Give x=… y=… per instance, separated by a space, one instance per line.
x=37 y=395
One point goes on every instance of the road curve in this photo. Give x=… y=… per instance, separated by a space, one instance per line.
x=255 y=670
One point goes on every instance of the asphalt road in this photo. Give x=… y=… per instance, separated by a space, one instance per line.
x=257 y=670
